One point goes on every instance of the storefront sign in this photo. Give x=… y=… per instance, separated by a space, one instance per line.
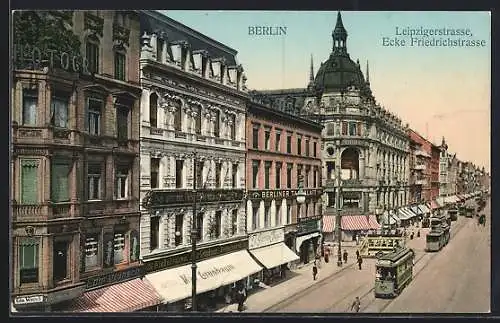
x=113 y=278
x=164 y=198
x=212 y=273
x=353 y=142
x=309 y=219
x=307 y=227
x=274 y=194
x=31 y=299
x=265 y=238
x=201 y=254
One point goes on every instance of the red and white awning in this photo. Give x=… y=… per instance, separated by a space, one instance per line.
x=351 y=223
x=328 y=223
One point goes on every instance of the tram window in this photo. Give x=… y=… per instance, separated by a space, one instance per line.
x=433 y=238
x=386 y=273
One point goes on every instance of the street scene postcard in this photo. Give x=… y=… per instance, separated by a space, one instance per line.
x=250 y=162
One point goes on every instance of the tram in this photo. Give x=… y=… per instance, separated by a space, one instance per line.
x=453 y=212
x=376 y=245
x=393 y=272
x=435 y=240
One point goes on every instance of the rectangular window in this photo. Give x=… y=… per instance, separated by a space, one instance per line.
x=289 y=144
x=267 y=134
x=217 y=124
x=91 y=252
x=178 y=119
x=59 y=188
x=255 y=137
x=299 y=174
x=60 y=109
x=60 y=260
x=344 y=128
x=255 y=173
x=119 y=247
x=234 y=177
x=307 y=148
x=315 y=178
x=267 y=174
x=197 y=124
x=288 y=213
x=218 y=175
x=179 y=225
x=159 y=50
x=122 y=113
x=30 y=103
x=306 y=178
x=120 y=66
x=331 y=199
x=330 y=170
x=121 y=184
x=94 y=174
x=299 y=145
x=232 y=119
x=155 y=171
x=352 y=129
x=278 y=213
x=315 y=147
x=92 y=55
x=154 y=233
x=29 y=181
x=267 y=216
x=277 y=142
x=179 y=167
x=199 y=173
x=289 y=175
x=94 y=116
x=218 y=224
x=234 y=222
x=277 y=183
x=330 y=129
x=255 y=217
x=28 y=261
x=199 y=226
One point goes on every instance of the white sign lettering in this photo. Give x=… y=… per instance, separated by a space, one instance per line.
x=266 y=238
x=28 y=299
x=211 y=273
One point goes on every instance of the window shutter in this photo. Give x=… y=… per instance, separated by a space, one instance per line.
x=344 y=128
x=29 y=181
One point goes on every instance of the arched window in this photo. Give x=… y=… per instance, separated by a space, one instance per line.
x=153 y=110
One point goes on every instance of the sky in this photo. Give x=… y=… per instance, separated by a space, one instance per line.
x=440 y=91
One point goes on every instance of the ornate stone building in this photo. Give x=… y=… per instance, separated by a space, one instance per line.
x=420 y=168
x=362 y=141
x=192 y=116
x=75 y=168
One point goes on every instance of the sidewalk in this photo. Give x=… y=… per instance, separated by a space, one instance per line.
x=263 y=299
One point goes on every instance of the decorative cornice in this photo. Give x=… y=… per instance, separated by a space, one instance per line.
x=121 y=36
x=93 y=24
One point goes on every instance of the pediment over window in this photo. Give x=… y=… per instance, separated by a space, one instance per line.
x=96 y=88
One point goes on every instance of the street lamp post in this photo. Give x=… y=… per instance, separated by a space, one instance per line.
x=194 y=233
x=338 y=219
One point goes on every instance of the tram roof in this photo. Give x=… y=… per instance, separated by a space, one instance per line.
x=396 y=255
x=436 y=232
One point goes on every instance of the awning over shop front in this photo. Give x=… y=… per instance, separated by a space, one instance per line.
x=274 y=255
x=388 y=218
x=175 y=284
x=359 y=222
x=425 y=208
x=434 y=205
x=405 y=214
x=329 y=223
x=440 y=201
x=415 y=209
x=300 y=239
x=129 y=296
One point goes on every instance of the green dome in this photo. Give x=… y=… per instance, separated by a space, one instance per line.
x=338 y=73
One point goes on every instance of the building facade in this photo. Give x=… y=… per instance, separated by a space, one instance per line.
x=283 y=154
x=434 y=168
x=420 y=172
x=75 y=163
x=362 y=143
x=192 y=138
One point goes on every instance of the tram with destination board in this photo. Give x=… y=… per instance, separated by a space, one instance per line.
x=453 y=212
x=393 y=272
x=435 y=240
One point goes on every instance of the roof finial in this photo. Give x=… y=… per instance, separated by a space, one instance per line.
x=367 y=73
x=339 y=36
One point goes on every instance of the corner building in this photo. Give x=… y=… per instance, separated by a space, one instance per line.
x=283 y=152
x=192 y=115
x=75 y=173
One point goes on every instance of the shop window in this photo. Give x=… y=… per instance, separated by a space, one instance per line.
x=29 y=181
x=94 y=107
x=59 y=109
x=179 y=225
x=119 y=247
x=122 y=181
x=267 y=174
x=91 y=252
x=60 y=260
x=28 y=261
x=154 y=240
x=120 y=60
x=59 y=188
x=122 y=114
x=92 y=55
x=179 y=168
x=153 y=110
x=155 y=171
x=255 y=137
x=30 y=103
x=234 y=177
x=234 y=222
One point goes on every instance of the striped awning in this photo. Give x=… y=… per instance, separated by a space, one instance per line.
x=129 y=296
x=328 y=223
x=405 y=213
x=391 y=216
x=424 y=208
x=415 y=209
x=359 y=222
x=434 y=205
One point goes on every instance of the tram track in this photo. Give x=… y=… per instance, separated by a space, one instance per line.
x=384 y=303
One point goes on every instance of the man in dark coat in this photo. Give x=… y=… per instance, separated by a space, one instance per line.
x=345 y=256
x=360 y=261
x=315 y=270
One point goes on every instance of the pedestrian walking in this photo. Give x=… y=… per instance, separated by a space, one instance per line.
x=357 y=254
x=360 y=261
x=315 y=270
x=242 y=296
x=327 y=255
x=345 y=256
x=356 y=305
